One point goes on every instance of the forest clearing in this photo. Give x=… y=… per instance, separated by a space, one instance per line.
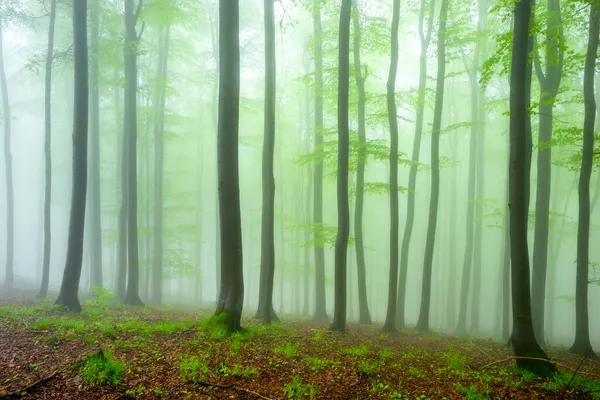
x=115 y=352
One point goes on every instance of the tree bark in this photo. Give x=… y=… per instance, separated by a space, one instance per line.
x=231 y=295
x=48 y=155
x=522 y=338
x=390 y=318
x=582 y=344
x=423 y=322
x=320 y=302
x=341 y=242
x=363 y=304
x=68 y=295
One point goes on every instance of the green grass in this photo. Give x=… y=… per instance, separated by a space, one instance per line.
x=100 y=369
x=193 y=369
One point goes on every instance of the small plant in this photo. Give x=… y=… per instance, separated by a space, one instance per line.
x=102 y=297
x=415 y=372
x=456 y=361
x=193 y=369
x=385 y=354
x=137 y=391
x=316 y=364
x=100 y=369
x=288 y=350
x=368 y=368
x=360 y=351
x=298 y=391
x=317 y=336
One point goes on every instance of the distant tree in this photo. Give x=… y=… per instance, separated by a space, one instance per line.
x=549 y=83
x=130 y=50
x=582 y=343
x=10 y=201
x=390 y=319
x=341 y=242
x=425 y=38
x=230 y=301
x=267 y=250
x=159 y=130
x=522 y=338
x=320 y=304
x=95 y=220
x=48 y=154
x=68 y=295
x=423 y=322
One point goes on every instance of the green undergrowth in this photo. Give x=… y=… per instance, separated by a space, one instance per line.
x=99 y=368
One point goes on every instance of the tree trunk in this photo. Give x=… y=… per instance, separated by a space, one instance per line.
x=68 y=295
x=549 y=84
x=267 y=249
x=363 y=305
x=48 y=155
x=582 y=345
x=390 y=319
x=320 y=304
x=95 y=224
x=412 y=174
x=522 y=338
x=423 y=322
x=341 y=242
x=10 y=217
x=131 y=39
x=231 y=295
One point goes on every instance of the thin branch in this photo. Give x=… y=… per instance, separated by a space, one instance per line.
x=138 y=10
x=23 y=392
x=575 y=373
x=229 y=386
x=141 y=30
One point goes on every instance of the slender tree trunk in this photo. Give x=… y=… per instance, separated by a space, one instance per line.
x=451 y=299
x=10 y=205
x=68 y=295
x=95 y=225
x=416 y=151
x=267 y=249
x=522 y=338
x=48 y=155
x=320 y=304
x=131 y=39
x=423 y=322
x=231 y=294
x=363 y=305
x=341 y=243
x=582 y=344
x=390 y=319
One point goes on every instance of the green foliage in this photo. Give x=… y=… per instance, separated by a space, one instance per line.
x=287 y=349
x=321 y=235
x=296 y=390
x=100 y=369
x=360 y=351
x=193 y=368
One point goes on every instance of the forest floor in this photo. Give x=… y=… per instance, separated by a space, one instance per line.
x=115 y=352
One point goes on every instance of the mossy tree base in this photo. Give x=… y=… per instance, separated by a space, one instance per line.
x=69 y=302
x=231 y=320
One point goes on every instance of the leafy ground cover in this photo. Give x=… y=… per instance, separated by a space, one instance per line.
x=113 y=352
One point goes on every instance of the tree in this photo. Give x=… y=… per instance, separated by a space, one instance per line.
x=423 y=322
x=48 y=154
x=425 y=39
x=95 y=222
x=522 y=338
x=231 y=294
x=582 y=343
x=267 y=249
x=320 y=304
x=68 y=295
x=363 y=305
x=549 y=84
x=10 y=201
x=390 y=319
x=159 y=130
x=130 y=49
x=341 y=243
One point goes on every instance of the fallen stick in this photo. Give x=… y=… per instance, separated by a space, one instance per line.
x=228 y=386
x=20 y=393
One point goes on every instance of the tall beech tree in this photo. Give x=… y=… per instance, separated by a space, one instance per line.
x=343 y=232
x=130 y=132
x=267 y=249
x=582 y=344
x=363 y=305
x=522 y=339
x=68 y=295
x=425 y=38
x=549 y=83
x=423 y=322
x=231 y=293
x=390 y=319
x=48 y=154
x=320 y=302
x=8 y=165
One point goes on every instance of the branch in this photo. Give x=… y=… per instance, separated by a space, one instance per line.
x=23 y=392
x=537 y=65
x=227 y=386
x=141 y=30
x=138 y=10
x=575 y=373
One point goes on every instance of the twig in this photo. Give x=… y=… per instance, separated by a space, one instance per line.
x=22 y=392
x=252 y=392
x=228 y=386
x=575 y=373
x=202 y=383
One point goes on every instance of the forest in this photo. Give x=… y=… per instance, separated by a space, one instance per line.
x=288 y=199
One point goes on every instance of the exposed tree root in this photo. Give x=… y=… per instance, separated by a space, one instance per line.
x=23 y=392
x=229 y=386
